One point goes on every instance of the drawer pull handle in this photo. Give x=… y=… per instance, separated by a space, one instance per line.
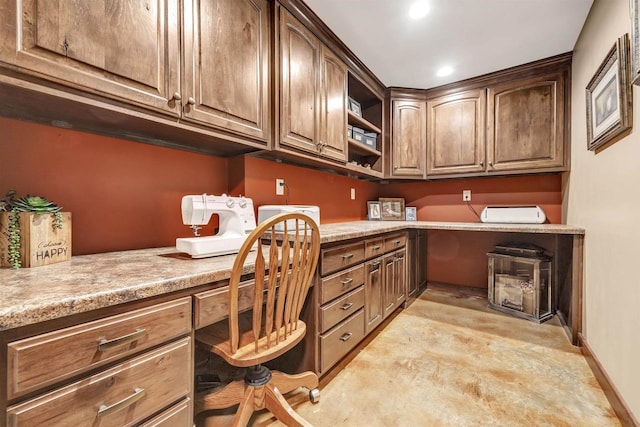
x=347 y=256
x=397 y=242
x=347 y=306
x=345 y=337
x=347 y=281
x=376 y=247
x=104 y=344
x=375 y=264
x=138 y=394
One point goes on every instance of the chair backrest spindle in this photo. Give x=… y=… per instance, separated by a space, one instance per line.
x=288 y=276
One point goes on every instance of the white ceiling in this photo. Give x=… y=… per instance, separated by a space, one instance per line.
x=474 y=37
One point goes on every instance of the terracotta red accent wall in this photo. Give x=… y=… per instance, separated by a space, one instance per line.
x=460 y=257
x=126 y=195
x=122 y=194
x=329 y=191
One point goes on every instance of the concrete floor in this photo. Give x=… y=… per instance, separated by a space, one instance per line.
x=448 y=360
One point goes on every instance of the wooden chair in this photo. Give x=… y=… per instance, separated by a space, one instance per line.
x=274 y=327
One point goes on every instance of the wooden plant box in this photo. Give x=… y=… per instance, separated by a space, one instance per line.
x=40 y=243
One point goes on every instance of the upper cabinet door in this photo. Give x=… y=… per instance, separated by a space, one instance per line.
x=123 y=49
x=408 y=138
x=455 y=133
x=299 y=82
x=226 y=65
x=526 y=124
x=333 y=101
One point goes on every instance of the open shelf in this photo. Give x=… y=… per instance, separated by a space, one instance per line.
x=356 y=120
x=370 y=120
x=361 y=170
x=361 y=149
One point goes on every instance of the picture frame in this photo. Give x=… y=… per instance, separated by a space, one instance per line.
x=354 y=107
x=410 y=213
x=634 y=12
x=373 y=211
x=391 y=209
x=609 y=97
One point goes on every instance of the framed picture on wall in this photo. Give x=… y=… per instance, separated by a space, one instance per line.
x=609 y=97
x=373 y=211
x=391 y=209
x=634 y=9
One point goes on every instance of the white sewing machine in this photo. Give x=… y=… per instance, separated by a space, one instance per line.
x=237 y=221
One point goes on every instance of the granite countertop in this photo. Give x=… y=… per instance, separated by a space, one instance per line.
x=89 y=282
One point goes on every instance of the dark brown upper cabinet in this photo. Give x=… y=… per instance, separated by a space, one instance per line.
x=333 y=102
x=456 y=133
x=508 y=122
x=313 y=88
x=226 y=65
x=92 y=63
x=408 y=138
x=126 y=50
x=525 y=124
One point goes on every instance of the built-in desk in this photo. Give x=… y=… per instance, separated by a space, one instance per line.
x=110 y=291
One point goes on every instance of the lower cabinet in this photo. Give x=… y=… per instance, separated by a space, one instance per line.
x=147 y=356
x=373 y=294
x=354 y=300
x=416 y=262
x=395 y=280
x=120 y=396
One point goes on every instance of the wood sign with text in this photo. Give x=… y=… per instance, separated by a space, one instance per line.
x=40 y=242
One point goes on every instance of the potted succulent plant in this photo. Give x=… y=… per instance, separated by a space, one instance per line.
x=47 y=244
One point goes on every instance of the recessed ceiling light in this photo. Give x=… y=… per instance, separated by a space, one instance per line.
x=444 y=71
x=419 y=9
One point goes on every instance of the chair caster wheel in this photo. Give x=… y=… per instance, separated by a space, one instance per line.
x=314 y=395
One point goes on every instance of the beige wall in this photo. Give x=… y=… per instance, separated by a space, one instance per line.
x=602 y=194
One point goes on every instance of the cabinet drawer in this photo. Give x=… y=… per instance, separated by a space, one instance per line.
x=373 y=248
x=44 y=359
x=336 y=343
x=341 y=308
x=394 y=242
x=334 y=259
x=212 y=306
x=179 y=415
x=336 y=285
x=120 y=396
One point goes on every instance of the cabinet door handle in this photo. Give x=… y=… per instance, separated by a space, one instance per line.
x=491 y=164
x=191 y=100
x=347 y=306
x=138 y=393
x=375 y=264
x=347 y=256
x=177 y=96
x=105 y=344
x=346 y=281
x=345 y=337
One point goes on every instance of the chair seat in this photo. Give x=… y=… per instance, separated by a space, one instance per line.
x=216 y=339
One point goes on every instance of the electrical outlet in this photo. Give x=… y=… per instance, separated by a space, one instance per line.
x=353 y=194
x=279 y=187
x=466 y=195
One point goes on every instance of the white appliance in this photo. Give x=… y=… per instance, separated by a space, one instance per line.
x=237 y=221
x=513 y=214
x=267 y=211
